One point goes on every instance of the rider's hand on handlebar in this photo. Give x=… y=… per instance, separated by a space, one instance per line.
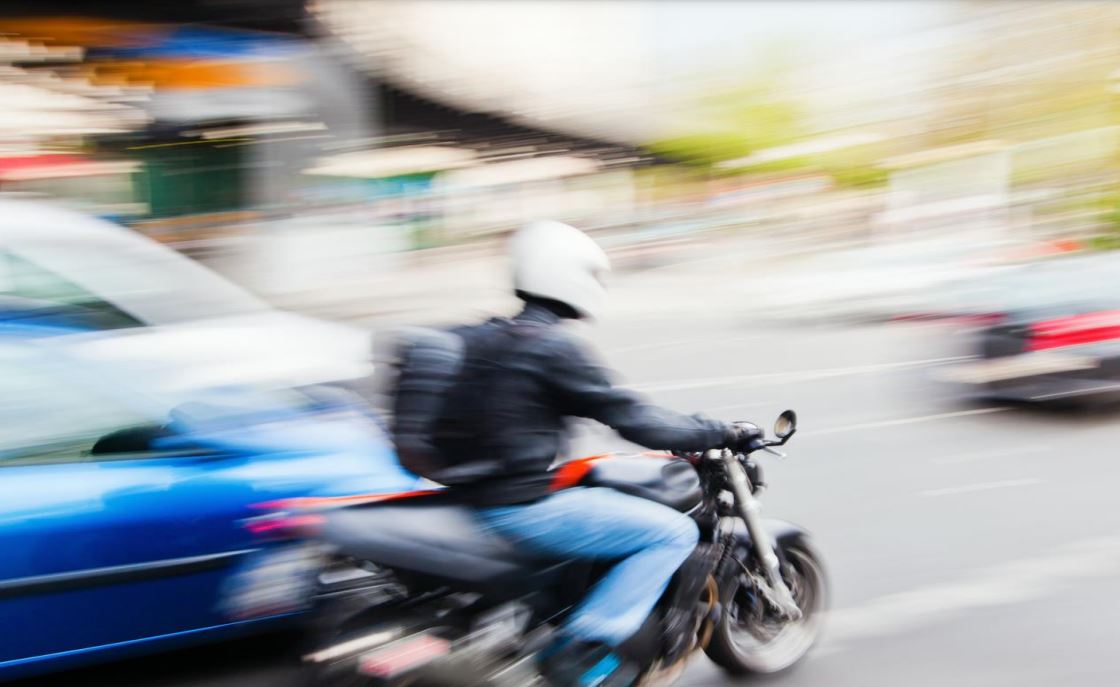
x=740 y=435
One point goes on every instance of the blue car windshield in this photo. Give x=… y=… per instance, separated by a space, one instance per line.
x=57 y=409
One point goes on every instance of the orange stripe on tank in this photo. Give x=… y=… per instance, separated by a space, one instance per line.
x=572 y=473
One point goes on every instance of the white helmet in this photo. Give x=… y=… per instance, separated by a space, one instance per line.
x=557 y=261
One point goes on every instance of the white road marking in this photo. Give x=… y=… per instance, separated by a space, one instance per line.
x=674 y=343
x=1015 y=582
x=863 y=426
x=794 y=375
x=736 y=406
x=1076 y=392
x=981 y=486
x=971 y=456
x=648 y=346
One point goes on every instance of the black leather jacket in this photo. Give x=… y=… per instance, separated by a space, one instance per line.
x=503 y=420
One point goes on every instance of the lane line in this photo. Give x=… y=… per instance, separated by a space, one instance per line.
x=981 y=486
x=675 y=343
x=863 y=426
x=736 y=406
x=1075 y=392
x=649 y=346
x=1011 y=452
x=1017 y=582
x=794 y=375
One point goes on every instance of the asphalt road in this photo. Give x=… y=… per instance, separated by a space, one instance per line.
x=967 y=544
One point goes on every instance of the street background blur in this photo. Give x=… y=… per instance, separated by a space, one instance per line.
x=807 y=205
x=373 y=151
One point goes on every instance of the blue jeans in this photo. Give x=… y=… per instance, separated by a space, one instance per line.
x=649 y=540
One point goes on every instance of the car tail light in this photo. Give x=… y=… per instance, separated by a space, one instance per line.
x=1074 y=330
x=285 y=525
x=979 y=320
x=984 y=320
x=403 y=656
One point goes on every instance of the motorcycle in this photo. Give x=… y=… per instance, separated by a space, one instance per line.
x=414 y=591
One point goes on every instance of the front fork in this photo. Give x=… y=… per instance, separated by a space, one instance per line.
x=749 y=508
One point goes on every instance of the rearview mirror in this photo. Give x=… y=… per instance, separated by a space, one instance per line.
x=785 y=425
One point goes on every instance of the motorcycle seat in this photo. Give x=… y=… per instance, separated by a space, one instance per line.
x=441 y=538
x=433 y=538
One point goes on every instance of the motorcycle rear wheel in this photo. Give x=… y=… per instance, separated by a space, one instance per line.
x=748 y=643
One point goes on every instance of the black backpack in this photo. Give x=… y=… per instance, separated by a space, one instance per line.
x=416 y=368
x=440 y=385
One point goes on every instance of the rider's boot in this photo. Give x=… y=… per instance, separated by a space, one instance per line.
x=576 y=663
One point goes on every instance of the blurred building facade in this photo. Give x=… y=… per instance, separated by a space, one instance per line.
x=329 y=128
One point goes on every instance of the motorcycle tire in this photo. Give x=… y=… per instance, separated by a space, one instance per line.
x=738 y=650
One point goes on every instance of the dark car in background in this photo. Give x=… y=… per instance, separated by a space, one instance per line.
x=1046 y=332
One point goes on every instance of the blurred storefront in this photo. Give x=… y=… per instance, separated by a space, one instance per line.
x=101 y=187
x=962 y=190
x=232 y=117
x=203 y=93
x=212 y=125
x=245 y=137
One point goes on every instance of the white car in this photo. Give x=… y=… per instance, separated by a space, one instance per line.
x=159 y=313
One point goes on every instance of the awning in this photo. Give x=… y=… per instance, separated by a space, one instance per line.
x=520 y=171
x=31 y=112
x=390 y=162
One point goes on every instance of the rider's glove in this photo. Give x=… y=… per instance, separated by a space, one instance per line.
x=740 y=435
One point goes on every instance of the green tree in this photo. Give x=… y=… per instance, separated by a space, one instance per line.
x=732 y=122
x=737 y=125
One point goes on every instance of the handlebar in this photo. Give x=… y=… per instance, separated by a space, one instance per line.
x=784 y=428
x=716 y=454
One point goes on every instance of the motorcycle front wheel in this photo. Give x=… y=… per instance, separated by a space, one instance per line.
x=751 y=639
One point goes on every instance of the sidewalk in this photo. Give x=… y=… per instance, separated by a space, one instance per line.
x=718 y=276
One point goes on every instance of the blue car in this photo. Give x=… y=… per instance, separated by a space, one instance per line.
x=123 y=511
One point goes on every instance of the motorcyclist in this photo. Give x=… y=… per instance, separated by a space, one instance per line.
x=502 y=428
